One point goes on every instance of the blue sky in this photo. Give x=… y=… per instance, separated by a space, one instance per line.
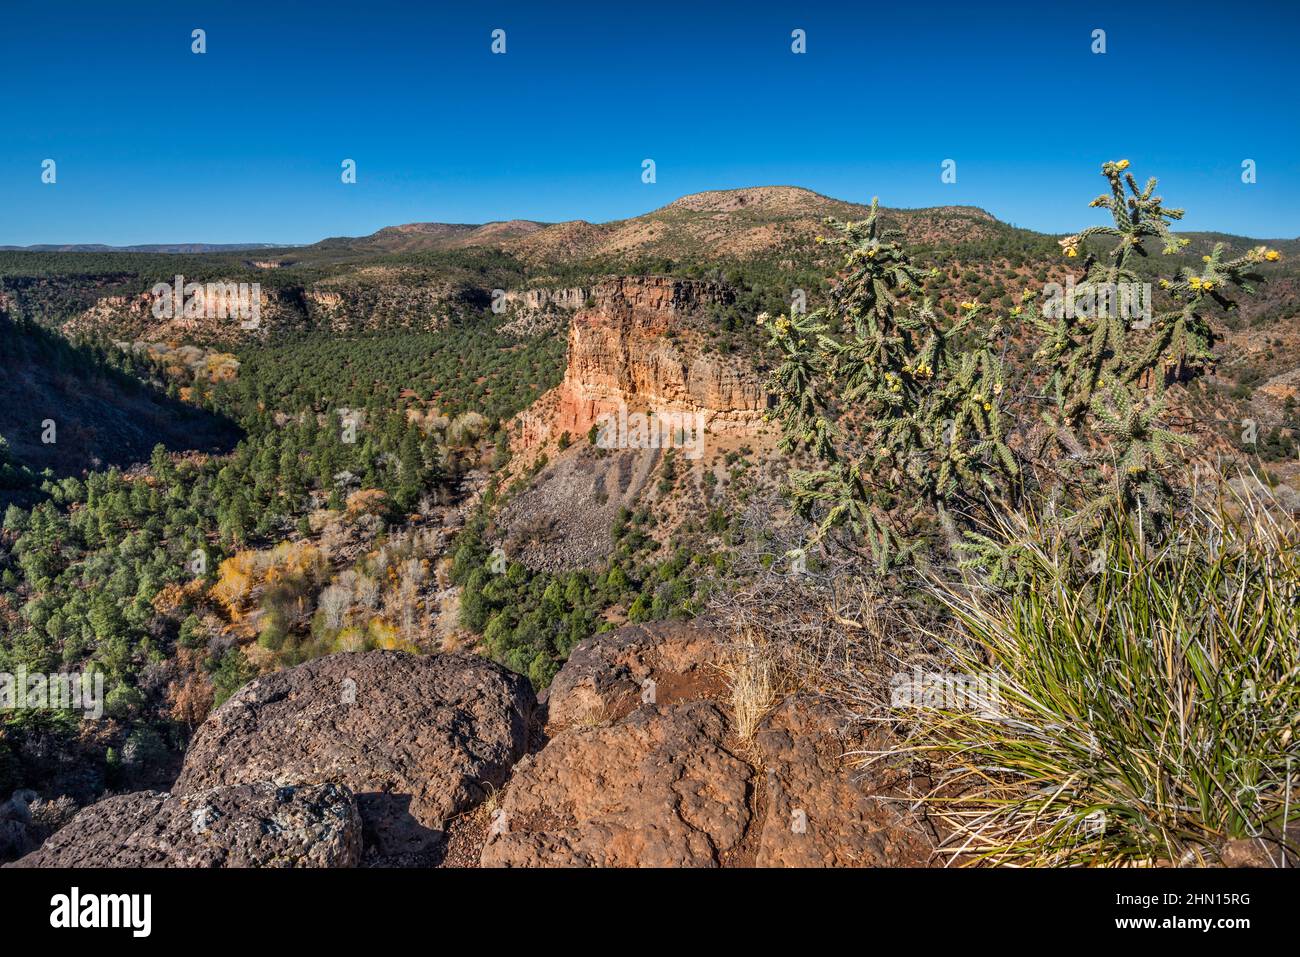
x=244 y=143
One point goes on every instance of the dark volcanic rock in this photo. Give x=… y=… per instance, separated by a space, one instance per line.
x=419 y=739
x=250 y=825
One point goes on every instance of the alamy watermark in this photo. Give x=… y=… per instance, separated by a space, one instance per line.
x=74 y=910
x=70 y=691
x=213 y=300
x=1101 y=300
x=651 y=430
x=944 y=691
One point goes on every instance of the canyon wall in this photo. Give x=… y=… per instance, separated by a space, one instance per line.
x=572 y=297
x=640 y=345
x=345 y=307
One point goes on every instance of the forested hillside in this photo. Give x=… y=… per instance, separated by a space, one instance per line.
x=152 y=563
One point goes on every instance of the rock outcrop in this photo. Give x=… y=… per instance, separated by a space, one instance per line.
x=247 y=825
x=386 y=758
x=637 y=348
x=221 y=311
x=608 y=676
x=657 y=789
x=644 y=769
x=571 y=298
x=540 y=311
x=419 y=739
x=819 y=813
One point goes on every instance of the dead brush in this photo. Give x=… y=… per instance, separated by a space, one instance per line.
x=595 y=715
x=757 y=681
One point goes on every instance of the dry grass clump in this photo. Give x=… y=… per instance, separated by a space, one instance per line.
x=756 y=682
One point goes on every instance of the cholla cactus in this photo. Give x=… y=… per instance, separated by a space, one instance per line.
x=1085 y=350
x=1099 y=359
x=906 y=410
x=872 y=383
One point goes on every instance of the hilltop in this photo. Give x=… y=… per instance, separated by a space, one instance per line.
x=742 y=222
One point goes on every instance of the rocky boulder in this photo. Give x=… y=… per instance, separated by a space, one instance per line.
x=248 y=825
x=644 y=768
x=608 y=676
x=657 y=789
x=819 y=812
x=419 y=739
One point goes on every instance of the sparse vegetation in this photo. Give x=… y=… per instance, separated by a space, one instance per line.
x=755 y=682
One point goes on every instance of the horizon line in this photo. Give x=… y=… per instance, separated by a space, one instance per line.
x=252 y=245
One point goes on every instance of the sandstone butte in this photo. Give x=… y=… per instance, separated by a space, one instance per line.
x=638 y=345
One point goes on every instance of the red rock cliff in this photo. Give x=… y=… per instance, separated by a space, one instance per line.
x=640 y=344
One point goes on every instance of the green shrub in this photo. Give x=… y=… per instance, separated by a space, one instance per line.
x=231 y=674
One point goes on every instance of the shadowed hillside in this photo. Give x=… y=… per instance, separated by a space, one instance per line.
x=67 y=409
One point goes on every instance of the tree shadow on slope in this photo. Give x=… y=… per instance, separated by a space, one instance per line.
x=65 y=408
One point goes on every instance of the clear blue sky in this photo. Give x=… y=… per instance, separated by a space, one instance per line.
x=244 y=143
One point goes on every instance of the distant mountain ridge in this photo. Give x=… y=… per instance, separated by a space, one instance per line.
x=726 y=221
x=729 y=222
x=146 y=248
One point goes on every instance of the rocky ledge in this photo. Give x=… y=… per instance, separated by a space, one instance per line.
x=250 y=825
x=632 y=759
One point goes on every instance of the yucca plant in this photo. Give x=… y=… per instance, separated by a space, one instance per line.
x=1148 y=700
